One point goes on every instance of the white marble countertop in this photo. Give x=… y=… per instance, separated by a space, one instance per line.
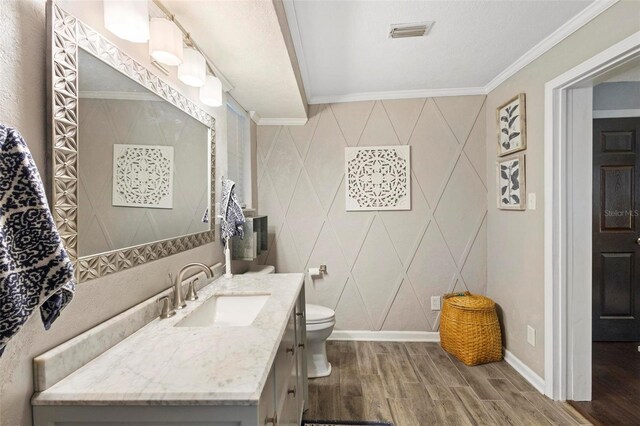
x=165 y=365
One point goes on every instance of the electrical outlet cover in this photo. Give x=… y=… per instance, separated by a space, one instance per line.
x=531 y=335
x=435 y=303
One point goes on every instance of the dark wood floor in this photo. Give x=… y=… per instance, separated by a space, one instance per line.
x=419 y=384
x=616 y=385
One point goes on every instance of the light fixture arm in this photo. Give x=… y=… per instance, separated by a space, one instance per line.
x=226 y=84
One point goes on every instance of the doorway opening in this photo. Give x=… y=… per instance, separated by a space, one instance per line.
x=576 y=311
x=616 y=251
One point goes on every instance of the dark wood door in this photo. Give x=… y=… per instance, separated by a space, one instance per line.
x=616 y=229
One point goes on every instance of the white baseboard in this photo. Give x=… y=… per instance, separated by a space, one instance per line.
x=531 y=377
x=386 y=336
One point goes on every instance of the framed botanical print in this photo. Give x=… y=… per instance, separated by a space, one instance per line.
x=511 y=182
x=512 y=126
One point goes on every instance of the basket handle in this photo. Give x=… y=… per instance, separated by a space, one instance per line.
x=466 y=293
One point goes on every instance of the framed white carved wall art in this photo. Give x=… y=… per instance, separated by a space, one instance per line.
x=378 y=178
x=143 y=176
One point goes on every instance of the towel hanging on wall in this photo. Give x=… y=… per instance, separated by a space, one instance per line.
x=232 y=215
x=35 y=270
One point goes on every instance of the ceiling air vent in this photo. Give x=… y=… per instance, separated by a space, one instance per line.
x=416 y=29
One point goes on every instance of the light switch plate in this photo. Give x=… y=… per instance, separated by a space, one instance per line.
x=531 y=335
x=531 y=202
x=435 y=303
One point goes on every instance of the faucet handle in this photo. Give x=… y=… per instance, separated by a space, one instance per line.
x=192 y=294
x=167 y=310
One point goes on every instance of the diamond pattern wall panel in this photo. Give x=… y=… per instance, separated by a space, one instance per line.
x=327 y=289
x=325 y=160
x=383 y=266
x=433 y=150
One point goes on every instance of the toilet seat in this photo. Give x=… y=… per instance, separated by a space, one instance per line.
x=317 y=314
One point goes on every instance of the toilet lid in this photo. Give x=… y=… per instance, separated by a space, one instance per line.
x=318 y=314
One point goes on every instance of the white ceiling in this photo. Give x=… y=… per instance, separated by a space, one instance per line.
x=245 y=41
x=345 y=52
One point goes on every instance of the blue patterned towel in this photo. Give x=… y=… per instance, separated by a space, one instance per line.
x=232 y=216
x=35 y=270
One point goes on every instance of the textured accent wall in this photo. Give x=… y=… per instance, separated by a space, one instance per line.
x=383 y=267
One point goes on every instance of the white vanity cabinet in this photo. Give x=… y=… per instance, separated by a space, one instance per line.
x=284 y=397
x=86 y=397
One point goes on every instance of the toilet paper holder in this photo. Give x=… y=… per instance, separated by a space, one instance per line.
x=318 y=271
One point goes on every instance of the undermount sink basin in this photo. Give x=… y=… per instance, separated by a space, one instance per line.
x=230 y=310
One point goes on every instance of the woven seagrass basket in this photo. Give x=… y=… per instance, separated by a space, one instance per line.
x=469 y=328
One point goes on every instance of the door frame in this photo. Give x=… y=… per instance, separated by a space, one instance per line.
x=567 y=244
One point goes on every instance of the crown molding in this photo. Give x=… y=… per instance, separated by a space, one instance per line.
x=294 y=30
x=616 y=113
x=571 y=26
x=398 y=94
x=255 y=117
x=281 y=121
x=578 y=21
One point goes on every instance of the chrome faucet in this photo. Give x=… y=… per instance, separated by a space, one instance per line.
x=178 y=298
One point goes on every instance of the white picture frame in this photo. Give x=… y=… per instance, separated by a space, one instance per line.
x=378 y=178
x=142 y=176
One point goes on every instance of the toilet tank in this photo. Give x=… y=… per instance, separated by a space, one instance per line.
x=261 y=269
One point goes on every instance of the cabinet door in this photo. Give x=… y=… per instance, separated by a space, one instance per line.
x=285 y=357
x=267 y=404
x=290 y=413
x=301 y=334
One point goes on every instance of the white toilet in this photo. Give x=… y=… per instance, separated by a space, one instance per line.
x=320 y=322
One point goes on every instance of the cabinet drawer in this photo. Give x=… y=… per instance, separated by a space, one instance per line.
x=267 y=404
x=301 y=362
x=285 y=357
x=290 y=406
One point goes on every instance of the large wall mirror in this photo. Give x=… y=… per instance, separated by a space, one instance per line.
x=132 y=159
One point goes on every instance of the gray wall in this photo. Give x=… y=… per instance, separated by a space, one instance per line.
x=22 y=90
x=383 y=267
x=616 y=96
x=515 y=240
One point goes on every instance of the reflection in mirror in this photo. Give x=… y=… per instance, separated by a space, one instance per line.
x=144 y=164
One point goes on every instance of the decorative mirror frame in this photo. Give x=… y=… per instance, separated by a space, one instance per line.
x=66 y=35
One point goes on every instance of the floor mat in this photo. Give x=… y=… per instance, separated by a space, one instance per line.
x=343 y=423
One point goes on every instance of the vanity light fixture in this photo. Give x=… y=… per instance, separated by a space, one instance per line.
x=165 y=43
x=211 y=92
x=127 y=19
x=193 y=69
